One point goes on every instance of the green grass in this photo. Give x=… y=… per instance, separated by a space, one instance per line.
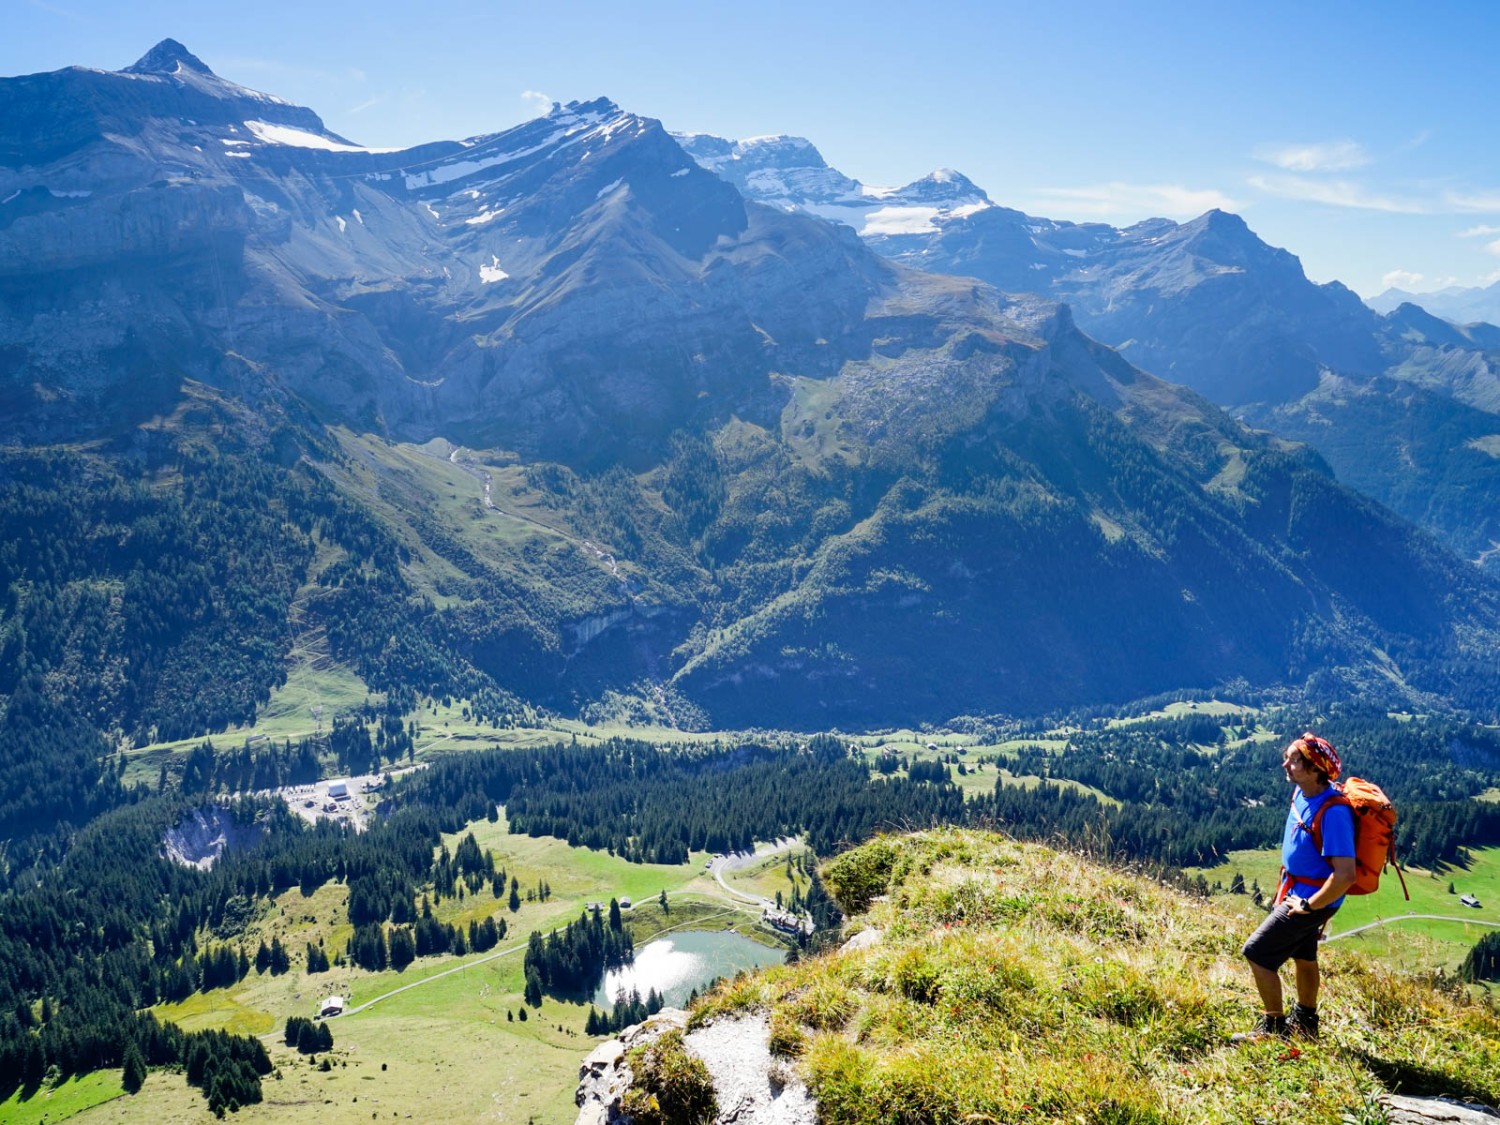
x=448 y=1048
x=1419 y=944
x=59 y=1103
x=1181 y=710
x=1013 y=983
x=768 y=876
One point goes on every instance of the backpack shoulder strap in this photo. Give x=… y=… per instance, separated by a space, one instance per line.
x=1315 y=827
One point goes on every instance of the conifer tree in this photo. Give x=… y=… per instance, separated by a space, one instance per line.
x=133 y=1070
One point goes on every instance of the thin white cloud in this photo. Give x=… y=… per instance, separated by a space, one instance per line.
x=1401 y=279
x=1490 y=278
x=1479 y=232
x=1493 y=247
x=1416 y=282
x=369 y=103
x=1487 y=202
x=1325 y=156
x=1337 y=193
x=1135 y=201
x=538 y=101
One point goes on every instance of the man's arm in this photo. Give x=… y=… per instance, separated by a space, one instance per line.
x=1337 y=883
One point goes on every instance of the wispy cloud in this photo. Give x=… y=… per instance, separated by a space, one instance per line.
x=1401 y=279
x=1482 y=202
x=1493 y=247
x=538 y=101
x=368 y=103
x=1173 y=201
x=1416 y=282
x=1323 y=156
x=1479 y=232
x=1337 y=193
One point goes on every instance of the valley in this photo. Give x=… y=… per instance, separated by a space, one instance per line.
x=435 y=579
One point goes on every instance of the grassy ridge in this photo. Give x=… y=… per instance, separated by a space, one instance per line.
x=1015 y=983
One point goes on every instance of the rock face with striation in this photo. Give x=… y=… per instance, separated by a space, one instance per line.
x=751 y=1088
x=825 y=476
x=1208 y=304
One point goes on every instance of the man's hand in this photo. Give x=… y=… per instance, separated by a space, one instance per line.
x=1296 y=904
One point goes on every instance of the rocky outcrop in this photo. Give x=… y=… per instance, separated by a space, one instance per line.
x=204 y=834
x=752 y=1088
x=1423 y=1111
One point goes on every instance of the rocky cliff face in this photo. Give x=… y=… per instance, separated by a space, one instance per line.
x=161 y=223
x=750 y=1087
x=1209 y=305
x=792 y=448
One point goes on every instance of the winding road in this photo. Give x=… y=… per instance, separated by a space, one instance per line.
x=1409 y=918
x=735 y=860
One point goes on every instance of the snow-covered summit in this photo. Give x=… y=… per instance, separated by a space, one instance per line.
x=789 y=173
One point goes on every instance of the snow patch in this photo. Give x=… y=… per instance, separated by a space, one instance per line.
x=461 y=168
x=300 y=138
x=484 y=216
x=358 y=216
x=340 y=220
x=242 y=155
x=492 y=272
x=431 y=210
x=901 y=220
x=607 y=188
x=681 y=172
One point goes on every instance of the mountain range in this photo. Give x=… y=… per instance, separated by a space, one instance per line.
x=1401 y=405
x=560 y=414
x=1457 y=303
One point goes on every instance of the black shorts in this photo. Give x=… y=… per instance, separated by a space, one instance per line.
x=1284 y=934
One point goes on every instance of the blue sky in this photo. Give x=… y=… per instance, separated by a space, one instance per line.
x=1360 y=136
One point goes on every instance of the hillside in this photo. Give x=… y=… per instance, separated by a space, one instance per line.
x=1000 y=981
x=1208 y=304
x=556 y=416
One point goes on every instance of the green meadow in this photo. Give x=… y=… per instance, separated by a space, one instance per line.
x=452 y=1048
x=1400 y=935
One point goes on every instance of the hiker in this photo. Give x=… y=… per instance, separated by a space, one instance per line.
x=1315 y=874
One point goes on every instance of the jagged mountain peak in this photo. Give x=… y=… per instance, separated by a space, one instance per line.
x=942 y=185
x=734 y=160
x=166 y=58
x=599 y=108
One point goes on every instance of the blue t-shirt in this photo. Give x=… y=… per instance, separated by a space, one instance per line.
x=1300 y=856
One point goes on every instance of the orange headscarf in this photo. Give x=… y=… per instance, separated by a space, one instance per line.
x=1319 y=753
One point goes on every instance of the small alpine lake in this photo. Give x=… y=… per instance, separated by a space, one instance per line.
x=677 y=963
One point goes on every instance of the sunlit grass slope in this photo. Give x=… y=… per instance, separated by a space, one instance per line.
x=1013 y=983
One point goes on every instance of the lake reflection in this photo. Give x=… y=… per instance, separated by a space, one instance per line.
x=678 y=963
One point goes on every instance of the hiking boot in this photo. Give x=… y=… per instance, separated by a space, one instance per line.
x=1267 y=1027
x=1302 y=1023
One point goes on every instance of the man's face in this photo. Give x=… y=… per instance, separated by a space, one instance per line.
x=1297 y=769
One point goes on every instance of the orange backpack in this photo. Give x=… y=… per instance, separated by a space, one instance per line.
x=1374 y=833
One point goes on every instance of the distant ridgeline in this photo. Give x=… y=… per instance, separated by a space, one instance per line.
x=112 y=927
x=556 y=417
